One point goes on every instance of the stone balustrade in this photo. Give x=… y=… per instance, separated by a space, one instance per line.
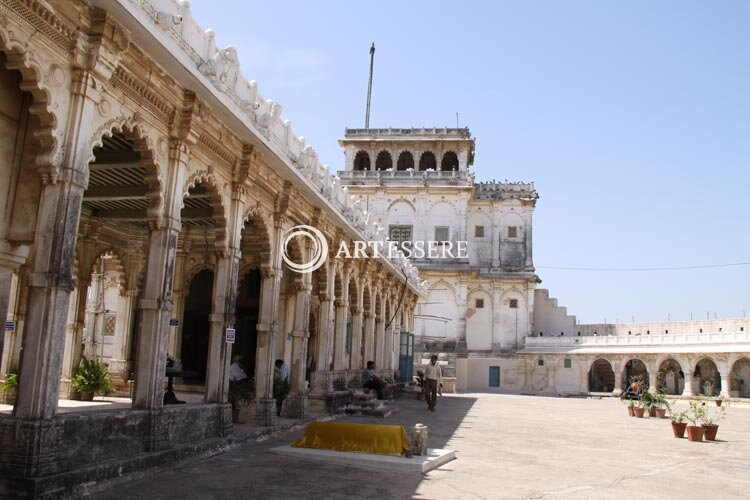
x=642 y=340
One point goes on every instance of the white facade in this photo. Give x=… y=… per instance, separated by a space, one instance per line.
x=417 y=184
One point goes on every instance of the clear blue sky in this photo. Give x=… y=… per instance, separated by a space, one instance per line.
x=632 y=118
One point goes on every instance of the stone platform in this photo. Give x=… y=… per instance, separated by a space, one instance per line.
x=419 y=464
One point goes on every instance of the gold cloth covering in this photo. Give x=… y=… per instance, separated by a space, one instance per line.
x=364 y=438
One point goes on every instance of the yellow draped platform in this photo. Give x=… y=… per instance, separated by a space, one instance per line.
x=364 y=438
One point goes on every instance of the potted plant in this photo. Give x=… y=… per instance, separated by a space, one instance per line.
x=678 y=423
x=695 y=416
x=638 y=409
x=240 y=393
x=631 y=406
x=650 y=403
x=708 y=422
x=662 y=405
x=9 y=388
x=720 y=400
x=91 y=378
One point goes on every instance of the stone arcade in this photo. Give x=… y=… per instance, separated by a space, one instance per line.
x=146 y=181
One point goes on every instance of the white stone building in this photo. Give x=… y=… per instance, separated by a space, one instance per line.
x=494 y=330
x=418 y=184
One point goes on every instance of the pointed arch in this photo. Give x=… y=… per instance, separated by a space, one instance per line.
x=384 y=161
x=427 y=161
x=405 y=161
x=48 y=136
x=362 y=161
x=449 y=162
x=136 y=133
x=207 y=180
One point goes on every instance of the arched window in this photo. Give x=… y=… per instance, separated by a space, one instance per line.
x=450 y=162
x=362 y=161
x=384 y=161
x=405 y=161
x=427 y=161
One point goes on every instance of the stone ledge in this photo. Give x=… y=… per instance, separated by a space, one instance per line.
x=421 y=464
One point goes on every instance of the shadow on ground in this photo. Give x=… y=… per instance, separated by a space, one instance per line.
x=249 y=471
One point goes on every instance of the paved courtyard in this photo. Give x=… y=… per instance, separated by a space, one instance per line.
x=507 y=447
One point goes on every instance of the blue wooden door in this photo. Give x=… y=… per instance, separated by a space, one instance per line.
x=494 y=376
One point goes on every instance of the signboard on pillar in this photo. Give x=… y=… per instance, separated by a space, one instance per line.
x=230 y=335
x=10 y=326
x=174 y=322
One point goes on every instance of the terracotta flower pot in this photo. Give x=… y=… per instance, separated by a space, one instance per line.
x=661 y=412
x=678 y=428
x=639 y=412
x=86 y=395
x=630 y=411
x=652 y=412
x=718 y=402
x=710 y=431
x=695 y=432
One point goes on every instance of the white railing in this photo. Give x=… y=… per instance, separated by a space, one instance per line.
x=630 y=340
x=408 y=176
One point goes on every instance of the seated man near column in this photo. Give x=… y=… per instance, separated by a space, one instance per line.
x=236 y=373
x=281 y=382
x=371 y=381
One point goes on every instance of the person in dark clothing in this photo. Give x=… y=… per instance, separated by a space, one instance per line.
x=370 y=380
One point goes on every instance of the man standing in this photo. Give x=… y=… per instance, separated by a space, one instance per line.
x=432 y=377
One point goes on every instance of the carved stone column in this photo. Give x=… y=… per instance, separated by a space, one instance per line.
x=380 y=336
x=616 y=366
x=267 y=330
x=341 y=308
x=369 y=321
x=296 y=403
x=51 y=280
x=155 y=308
x=74 y=350
x=325 y=333
x=222 y=317
x=691 y=386
x=355 y=358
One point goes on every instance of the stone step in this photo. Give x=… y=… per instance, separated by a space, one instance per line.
x=381 y=411
x=364 y=396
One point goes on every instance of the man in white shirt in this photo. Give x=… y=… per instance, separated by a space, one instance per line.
x=236 y=373
x=433 y=376
x=284 y=371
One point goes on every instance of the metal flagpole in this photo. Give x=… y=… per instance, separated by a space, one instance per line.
x=369 y=86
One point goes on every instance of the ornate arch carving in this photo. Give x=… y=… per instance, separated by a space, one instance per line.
x=144 y=145
x=49 y=135
x=208 y=179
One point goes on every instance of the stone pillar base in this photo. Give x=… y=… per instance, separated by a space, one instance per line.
x=265 y=412
x=295 y=406
x=30 y=448
x=158 y=433
x=227 y=428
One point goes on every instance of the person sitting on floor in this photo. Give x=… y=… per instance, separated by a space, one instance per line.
x=236 y=373
x=370 y=380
